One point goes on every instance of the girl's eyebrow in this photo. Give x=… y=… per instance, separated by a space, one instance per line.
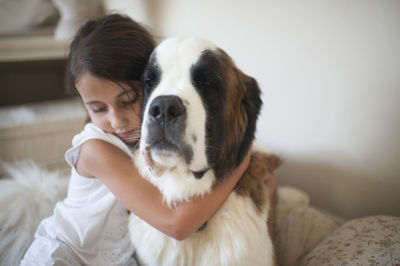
x=124 y=93
x=92 y=102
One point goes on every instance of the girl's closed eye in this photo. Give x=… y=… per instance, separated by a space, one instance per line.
x=129 y=102
x=128 y=98
x=98 y=109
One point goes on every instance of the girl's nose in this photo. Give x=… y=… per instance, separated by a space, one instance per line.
x=118 y=120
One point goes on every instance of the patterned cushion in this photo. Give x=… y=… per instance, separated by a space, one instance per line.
x=366 y=241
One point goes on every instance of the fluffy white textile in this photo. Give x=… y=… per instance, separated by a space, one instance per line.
x=28 y=194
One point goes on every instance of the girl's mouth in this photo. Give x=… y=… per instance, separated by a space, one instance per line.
x=125 y=134
x=128 y=136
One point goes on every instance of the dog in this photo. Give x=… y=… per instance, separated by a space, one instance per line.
x=198 y=123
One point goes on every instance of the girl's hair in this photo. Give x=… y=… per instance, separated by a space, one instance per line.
x=113 y=47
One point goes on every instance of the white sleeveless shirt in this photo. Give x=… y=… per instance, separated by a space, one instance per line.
x=90 y=226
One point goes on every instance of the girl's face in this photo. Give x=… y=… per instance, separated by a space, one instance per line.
x=113 y=107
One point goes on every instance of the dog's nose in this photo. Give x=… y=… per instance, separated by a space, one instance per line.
x=166 y=108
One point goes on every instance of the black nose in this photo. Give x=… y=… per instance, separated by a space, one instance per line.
x=166 y=108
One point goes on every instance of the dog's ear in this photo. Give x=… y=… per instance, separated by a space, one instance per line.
x=251 y=103
x=242 y=109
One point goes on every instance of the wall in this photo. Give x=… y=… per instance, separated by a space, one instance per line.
x=330 y=75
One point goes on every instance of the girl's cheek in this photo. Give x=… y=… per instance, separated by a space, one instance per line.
x=99 y=123
x=138 y=110
x=137 y=119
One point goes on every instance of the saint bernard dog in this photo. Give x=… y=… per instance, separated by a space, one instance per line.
x=198 y=123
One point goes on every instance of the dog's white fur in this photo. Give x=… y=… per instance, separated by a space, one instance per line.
x=177 y=82
x=237 y=234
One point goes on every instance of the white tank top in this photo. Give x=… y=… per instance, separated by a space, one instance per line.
x=90 y=226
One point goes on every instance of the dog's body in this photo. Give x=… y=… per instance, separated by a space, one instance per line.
x=199 y=118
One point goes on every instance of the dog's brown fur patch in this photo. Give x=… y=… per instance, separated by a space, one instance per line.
x=272 y=215
x=236 y=117
x=252 y=185
x=252 y=182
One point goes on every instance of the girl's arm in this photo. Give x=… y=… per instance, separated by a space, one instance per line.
x=115 y=169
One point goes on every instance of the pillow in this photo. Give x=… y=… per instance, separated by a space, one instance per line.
x=299 y=227
x=366 y=241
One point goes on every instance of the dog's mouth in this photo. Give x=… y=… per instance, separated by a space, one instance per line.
x=147 y=157
x=163 y=155
x=157 y=169
x=168 y=153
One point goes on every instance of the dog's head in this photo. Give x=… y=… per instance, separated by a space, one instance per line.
x=199 y=109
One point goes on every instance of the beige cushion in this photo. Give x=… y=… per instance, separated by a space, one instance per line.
x=366 y=241
x=299 y=227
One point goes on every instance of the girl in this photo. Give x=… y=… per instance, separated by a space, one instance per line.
x=89 y=227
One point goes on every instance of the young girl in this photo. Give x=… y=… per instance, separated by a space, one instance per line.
x=90 y=226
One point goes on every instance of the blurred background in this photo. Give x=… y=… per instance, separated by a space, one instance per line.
x=329 y=72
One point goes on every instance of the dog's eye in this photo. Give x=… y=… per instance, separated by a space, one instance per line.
x=207 y=84
x=149 y=83
x=200 y=174
x=151 y=78
x=210 y=80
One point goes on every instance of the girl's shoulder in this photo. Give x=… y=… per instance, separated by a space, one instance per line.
x=91 y=132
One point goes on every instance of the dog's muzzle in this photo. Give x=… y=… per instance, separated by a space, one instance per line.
x=166 y=126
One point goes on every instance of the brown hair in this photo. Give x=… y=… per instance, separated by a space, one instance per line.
x=113 y=47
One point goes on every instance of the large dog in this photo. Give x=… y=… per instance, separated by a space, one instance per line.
x=199 y=120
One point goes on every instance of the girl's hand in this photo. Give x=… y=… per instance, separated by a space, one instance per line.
x=239 y=171
x=271 y=183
